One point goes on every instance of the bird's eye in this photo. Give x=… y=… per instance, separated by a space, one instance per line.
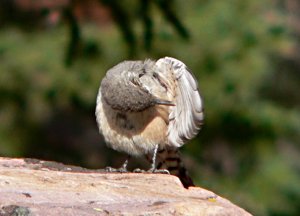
x=155 y=75
x=142 y=73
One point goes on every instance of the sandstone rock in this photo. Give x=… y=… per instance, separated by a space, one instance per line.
x=33 y=187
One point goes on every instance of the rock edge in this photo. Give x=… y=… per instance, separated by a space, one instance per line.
x=35 y=187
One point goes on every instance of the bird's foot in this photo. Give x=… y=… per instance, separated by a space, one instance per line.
x=138 y=170
x=122 y=169
x=161 y=171
x=116 y=170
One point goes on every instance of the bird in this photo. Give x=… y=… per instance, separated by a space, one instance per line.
x=150 y=108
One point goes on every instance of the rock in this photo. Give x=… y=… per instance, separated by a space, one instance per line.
x=33 y=187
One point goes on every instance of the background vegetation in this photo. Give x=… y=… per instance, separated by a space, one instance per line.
x=245 y=55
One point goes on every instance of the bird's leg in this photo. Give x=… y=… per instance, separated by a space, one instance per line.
x=153 y=161
x=153 y=168
x=122 y=169
x=153 y=164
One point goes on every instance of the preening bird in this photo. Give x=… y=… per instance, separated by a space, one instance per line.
x=150 y=108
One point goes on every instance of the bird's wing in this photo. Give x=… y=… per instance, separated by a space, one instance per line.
x=186 y=117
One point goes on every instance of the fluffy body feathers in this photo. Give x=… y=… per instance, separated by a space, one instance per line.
x=141 y=104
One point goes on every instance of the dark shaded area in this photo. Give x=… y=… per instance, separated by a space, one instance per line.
x=284 y=81
x=166 y=7
x=147 y=23
x=122 y=20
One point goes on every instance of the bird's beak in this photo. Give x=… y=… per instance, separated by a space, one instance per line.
x=163 y=102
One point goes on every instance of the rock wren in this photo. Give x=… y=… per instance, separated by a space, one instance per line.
x=150 y=108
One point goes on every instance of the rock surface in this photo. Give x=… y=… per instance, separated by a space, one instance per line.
x=33 y=187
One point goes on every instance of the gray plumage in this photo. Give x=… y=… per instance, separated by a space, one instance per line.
x=121 y=87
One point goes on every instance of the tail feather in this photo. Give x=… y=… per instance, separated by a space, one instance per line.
x=170 y=159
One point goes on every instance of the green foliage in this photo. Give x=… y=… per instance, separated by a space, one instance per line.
x=248 y=149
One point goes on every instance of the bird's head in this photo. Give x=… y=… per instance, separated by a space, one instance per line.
x=122 y=90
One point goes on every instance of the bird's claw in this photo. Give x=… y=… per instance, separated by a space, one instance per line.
x=161 y=171
x=114 y=170
x=138 y=170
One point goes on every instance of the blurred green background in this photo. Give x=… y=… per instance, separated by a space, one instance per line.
x=245 y=54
